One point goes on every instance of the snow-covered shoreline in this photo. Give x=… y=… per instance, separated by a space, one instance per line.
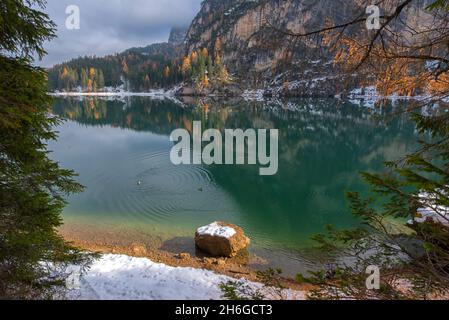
x=112 y=94
x=363 y=93
x=121 y=277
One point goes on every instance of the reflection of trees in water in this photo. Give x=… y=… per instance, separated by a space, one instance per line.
x=323 y=145
x=157 y=116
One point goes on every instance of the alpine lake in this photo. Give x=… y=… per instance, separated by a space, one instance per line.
x=120 y=148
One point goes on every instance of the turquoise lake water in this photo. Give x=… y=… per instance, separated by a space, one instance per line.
x=120 y=149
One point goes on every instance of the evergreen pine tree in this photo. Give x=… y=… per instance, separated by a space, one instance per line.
x=210 y=66
x=100 y=82
x=84 y=79
x=32 y=187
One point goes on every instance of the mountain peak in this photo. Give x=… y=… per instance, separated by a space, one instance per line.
x=177 y=35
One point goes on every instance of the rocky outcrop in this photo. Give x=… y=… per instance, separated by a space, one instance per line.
x=177 y=35
x=256 y=53
x=259 y=56
x=221 y=239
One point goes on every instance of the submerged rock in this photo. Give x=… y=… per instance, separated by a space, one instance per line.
x=221 y=239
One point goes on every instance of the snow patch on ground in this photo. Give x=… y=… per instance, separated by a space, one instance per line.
x=113 y=94
x=433 y=212
x=119 y=91
x=122 y=96
x=216 y=230
x=120 y=277
x=254 y=95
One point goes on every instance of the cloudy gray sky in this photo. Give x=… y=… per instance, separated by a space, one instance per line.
x=109 y=26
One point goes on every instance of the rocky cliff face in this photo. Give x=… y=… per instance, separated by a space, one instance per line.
x=253 y=50
x=177 y=35
x=259 y=57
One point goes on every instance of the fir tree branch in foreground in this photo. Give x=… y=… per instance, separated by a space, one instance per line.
x=32 y=187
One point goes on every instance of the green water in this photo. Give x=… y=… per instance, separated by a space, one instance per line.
x=323 y=145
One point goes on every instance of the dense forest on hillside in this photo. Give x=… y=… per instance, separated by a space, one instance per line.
x=140 y=69
x=132 y=70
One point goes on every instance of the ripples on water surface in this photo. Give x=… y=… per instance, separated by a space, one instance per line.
x=121 y=151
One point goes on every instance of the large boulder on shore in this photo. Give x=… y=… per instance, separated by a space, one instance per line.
x=221 y=239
